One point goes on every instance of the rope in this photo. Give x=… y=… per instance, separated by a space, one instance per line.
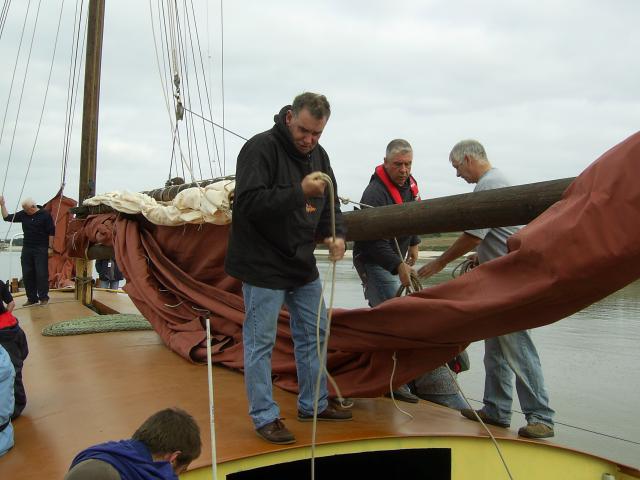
x=323 y=354
x=212 y=425
x=493 y=439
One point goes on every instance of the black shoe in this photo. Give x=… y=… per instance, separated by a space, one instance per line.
x=44 y=302
x=403 y=394
x=330 y=414
x=468 y=413
x=29 y=303
x=276 y=432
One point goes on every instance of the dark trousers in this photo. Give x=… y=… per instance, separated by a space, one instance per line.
x=35 y=272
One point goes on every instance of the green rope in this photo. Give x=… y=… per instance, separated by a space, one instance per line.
x=97 y=324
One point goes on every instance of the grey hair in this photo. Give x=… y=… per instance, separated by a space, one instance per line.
x=398 y=146
x=472 y=148
x=317 y=104
x=27 y=202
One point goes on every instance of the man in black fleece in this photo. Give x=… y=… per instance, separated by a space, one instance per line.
x=281 y=211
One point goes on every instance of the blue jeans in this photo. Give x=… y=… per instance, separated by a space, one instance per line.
x=516 y=354
x=381 y=284
x=262 y=306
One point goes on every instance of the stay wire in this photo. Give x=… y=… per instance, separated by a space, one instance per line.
x=204 y=82
x=216 y=124
x=213 y=131
x=75 y=69
x=185 y=94
x=3 y=15
x=224 y=149
x=13 y=76
x=15 y=126
x=162 y=33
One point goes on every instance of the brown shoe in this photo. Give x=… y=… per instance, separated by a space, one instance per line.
x=29 y=303
x=276 y=432
x=468 y=413
x=330 y=414
x=44 y=302
x=536 y=430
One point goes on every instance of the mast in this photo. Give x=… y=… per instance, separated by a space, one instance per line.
x=89 y=145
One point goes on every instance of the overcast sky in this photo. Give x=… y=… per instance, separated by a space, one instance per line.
x=546 y=86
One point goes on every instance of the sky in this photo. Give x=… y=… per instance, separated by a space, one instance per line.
x=546 y=86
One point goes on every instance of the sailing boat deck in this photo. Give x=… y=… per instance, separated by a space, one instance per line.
x=87 y=389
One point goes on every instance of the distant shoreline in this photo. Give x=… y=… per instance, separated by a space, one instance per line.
x=424 y=254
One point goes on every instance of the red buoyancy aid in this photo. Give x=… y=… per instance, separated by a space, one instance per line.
x=7 y=320
x=382 y=174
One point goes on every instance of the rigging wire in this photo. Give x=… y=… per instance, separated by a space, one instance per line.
x=13 y=75
x=163 y=84
x=204 y=75
x=204 y=79
x=3 y=15
x=218 y=125
x=44 y=103
x=15 y=126
x=73 y=82
x=224 y=149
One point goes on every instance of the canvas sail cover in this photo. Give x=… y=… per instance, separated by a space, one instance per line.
x=581 y=249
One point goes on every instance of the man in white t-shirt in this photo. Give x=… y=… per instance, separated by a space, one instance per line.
x=509 y=354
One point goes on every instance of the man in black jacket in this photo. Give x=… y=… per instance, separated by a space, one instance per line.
x=39 y=229
x=383 y=267
x=281 y=210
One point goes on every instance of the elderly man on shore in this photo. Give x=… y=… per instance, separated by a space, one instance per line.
x=39 y=229
x=509 y=354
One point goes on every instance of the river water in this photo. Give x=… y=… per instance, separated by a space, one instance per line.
x=591 y=363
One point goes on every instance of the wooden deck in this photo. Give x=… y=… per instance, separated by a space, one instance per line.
x=88 y=389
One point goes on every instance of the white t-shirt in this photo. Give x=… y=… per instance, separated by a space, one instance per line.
x=494 y=240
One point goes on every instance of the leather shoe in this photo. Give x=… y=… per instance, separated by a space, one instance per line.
x=330 y=414
x=468 y=413
x=403 y=394
x=276 y=432
x=536 y=430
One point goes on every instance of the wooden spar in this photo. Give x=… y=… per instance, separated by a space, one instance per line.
x=89 y=143
x=516 y=205
x=501 y=207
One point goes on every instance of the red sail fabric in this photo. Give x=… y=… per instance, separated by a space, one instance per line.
x=61 y=266
x=580 y=250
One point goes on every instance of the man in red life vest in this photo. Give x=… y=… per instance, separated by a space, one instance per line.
x=386 y=264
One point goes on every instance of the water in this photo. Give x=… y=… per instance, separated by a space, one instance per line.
x=591 y=363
